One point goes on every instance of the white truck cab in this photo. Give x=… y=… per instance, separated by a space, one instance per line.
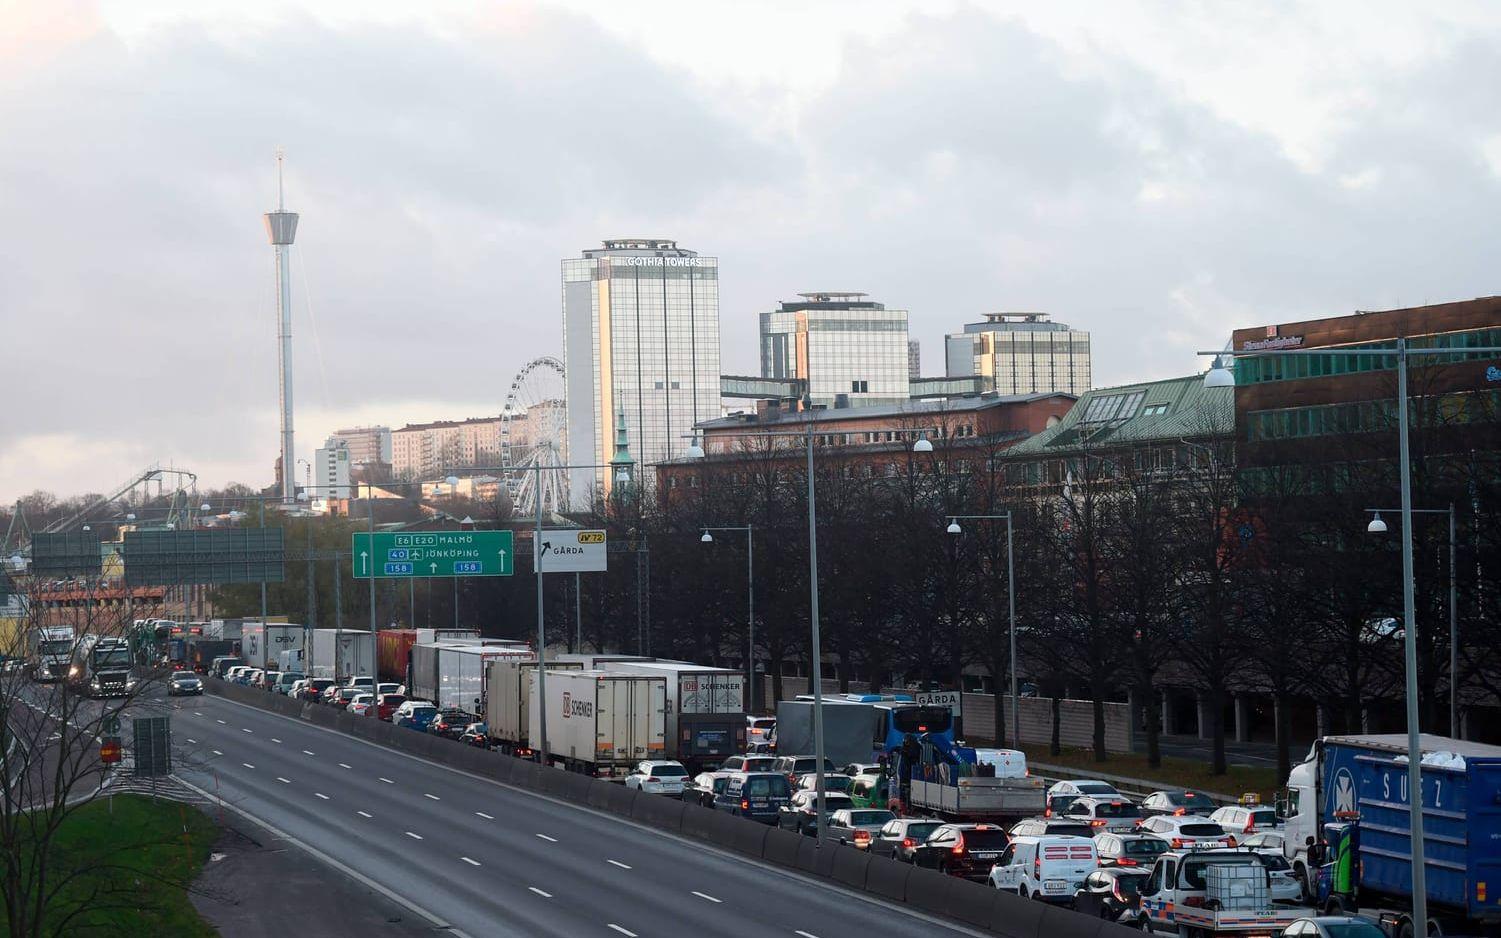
x=1051 y=868
x=1211 y=892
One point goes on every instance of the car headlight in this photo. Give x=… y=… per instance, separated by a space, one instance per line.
x=73 y=671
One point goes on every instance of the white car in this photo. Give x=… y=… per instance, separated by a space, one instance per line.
x=1269 y=842
x=295 y=691
x=360 y=704
x=1284 y=883
x=1104 y=814
x=658 y=778
x=1062 y=794
x=1187 y=832
x=1047 y=868
x=1242 y=820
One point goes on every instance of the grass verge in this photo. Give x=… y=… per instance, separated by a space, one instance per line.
x=131 y=864
x=1173 y=773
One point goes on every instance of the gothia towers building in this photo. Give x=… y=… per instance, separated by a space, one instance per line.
x=640 y=336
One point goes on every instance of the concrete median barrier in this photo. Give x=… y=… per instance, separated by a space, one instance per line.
x=706 y=824
x=1015 y=917
x=887 y=878
x=574 y=787
x=608 y=796
x=781 y=847
x=1066 y=923
x=665 y=813
x=929 y=889
x=749 y=837
x=807 y=854
x=850 y=865
x=527 y=774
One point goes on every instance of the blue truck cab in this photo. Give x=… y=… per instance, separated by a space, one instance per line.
x=1364 y=779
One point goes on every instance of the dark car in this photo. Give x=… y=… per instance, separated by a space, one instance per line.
x=475 y=734
x=1051 y=826
x=967 y=850
x=184 y=684
x=704 y=787
x=760 y=796
x=314 y=688
x=340 y=697
x=899 y=838
x=450 y=723
x=1177 y=801
x=794 y=767
x=224 y=663
x=1110 y=891
x=800 y=813
x=1128 y=850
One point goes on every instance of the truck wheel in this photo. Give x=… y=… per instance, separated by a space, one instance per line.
x=1404 y=928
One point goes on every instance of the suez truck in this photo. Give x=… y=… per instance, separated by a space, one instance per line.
x=508 y=691
x=600 y=722
x=342 y=653
x=1352 y=794
x=261 y=643
x=705 y=710
x=393 y=649
x=452 y=673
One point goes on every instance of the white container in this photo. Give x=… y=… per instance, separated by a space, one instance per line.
x=461 y=673
x=602 y=722
x=261 y=643
x=1237 y=885
x=507 y=691
x=342 y=653
x=693 y=688
x=223 y=629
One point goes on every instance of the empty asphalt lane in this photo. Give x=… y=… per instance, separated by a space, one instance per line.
x=488 y=853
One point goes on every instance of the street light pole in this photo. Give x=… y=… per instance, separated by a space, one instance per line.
x=953 y=528
x=750 y=607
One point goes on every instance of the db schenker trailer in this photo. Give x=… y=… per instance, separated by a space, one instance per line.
x=1361 y=782
x=600 y=722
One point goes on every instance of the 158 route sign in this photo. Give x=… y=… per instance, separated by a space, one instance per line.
x=402 y=555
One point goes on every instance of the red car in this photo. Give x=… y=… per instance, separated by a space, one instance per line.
x=386 y=704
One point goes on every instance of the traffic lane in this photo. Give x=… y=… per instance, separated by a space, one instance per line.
x=469 y=875
x=764 y=899
x=58 y=739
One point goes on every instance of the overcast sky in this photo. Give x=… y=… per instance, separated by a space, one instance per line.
x=1156 y=173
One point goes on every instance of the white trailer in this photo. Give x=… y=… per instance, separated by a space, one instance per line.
x=705 y=709
x=224 y=629
x=342 y=653
x=261 y=643
x=507 y=692
x=600 y=722
x=595 y=662
x=461 y=673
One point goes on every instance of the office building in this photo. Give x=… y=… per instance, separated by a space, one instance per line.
x=1024 y=353
x=331 y=465
x=914 y=359
x=849 y=351
x=367 y=445
x=640 y=337
x=428 y=450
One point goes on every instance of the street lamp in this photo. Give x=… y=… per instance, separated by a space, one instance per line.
x=953 y=528
x=923 y=445
x=1377 y=526
x=750 y=605
x=696 y=451
x=1220 y=376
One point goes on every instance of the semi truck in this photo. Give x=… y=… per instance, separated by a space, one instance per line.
x=261 y=643
x=51 y=652
x=101 y=667
x=507 y=698
x=600 y=722
x=203 y=651
x=394 y=649
x=705 y=710
x=342 y=653
x=461 y=674
x=957 y=783
x=1361 y=783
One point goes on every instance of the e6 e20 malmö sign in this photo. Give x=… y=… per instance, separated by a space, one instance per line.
x=405 y=554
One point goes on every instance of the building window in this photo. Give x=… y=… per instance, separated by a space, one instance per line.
x=1154 y=410
x=1108 y=407
x=859 y=387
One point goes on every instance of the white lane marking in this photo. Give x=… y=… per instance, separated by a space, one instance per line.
x=275 y=740
x=434 y=797
x=246 y=729
x=624 y=931
x=321 y=795
x=363 y=814
x=192 y=742
x=247 y=765
x=343 y=765
x=221 y=723
x=545 y=895
x=197 y=713
x=414 y=836
x=623 y=866
x=488 y=817
x=804 y=934
x=469 y=861
x=308 y=752
x=386 y=780
x=551 y=840
x=285 y=781
x=704 y=895
x=217 y=752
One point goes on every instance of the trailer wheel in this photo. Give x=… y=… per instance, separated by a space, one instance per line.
x=1404 y=928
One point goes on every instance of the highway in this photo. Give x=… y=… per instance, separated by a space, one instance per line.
x=488 y=860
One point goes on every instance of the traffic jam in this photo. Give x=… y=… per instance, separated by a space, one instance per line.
x=895 y=782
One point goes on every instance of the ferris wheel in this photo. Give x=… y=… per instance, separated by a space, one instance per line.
x=534 y=439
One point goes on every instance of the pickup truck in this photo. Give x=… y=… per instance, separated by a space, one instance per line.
x=1203 y=893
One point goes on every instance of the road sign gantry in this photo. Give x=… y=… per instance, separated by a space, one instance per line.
x=408 y=554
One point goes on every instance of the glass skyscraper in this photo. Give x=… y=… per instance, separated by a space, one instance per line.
x=842 y=345
x=1025 y=353
x=640 y=336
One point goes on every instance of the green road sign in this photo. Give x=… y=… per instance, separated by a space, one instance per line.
x=401 y=554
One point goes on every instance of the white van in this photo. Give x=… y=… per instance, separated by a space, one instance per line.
x=1050 y=868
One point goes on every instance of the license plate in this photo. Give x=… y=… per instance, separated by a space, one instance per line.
x=985 y=856
x=1053 y=885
